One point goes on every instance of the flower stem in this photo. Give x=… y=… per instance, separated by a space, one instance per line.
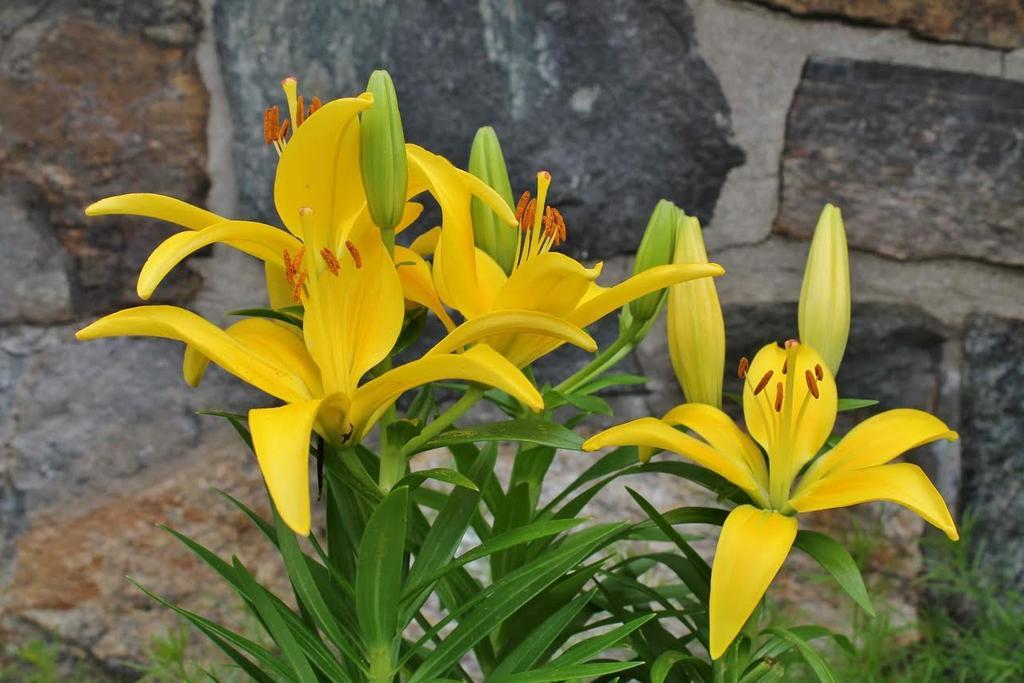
x=602 y=361
x=444 y=420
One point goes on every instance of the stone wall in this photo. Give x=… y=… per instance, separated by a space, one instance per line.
x=750 y=115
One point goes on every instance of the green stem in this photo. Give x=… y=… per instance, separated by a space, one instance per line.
x=381 y=670
x=443 y=421
x=602 y=361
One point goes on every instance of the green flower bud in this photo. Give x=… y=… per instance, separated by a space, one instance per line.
x=655 y=250
x=487 y=163
x=382 y=154
x=824 y=313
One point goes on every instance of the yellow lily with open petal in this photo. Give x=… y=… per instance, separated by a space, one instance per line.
x=353 y=316
x=470 y=281
x=789 y=406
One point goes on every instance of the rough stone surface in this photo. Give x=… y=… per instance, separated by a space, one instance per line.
x=74 y=559
x=993 y=431
x=924 y=163
x=96 y=98
x=993 y=23
x=611 y=97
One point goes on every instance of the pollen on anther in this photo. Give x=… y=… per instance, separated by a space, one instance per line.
x=812 y=385
x=526 y=222
x=524 y=199
x=271 y=115
x=764 y=382
x=744 y=365
x=778 y=397
x=818 y=372
x=331 y=260
x=284 y=129
x=313 y=106
x=559 y=226
x=297 y=288
x=300 y=112
x=356 y=257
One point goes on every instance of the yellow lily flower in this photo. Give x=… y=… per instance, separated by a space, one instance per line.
x=353 y=316
x=789 y=406
x=473 y=283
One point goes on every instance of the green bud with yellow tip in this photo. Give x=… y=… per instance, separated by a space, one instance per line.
x=655 y=250
x=824 y=313
x=696 y=329
x=490 y=234
x=382 y=154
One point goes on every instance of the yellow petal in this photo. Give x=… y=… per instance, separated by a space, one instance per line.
x=796 y=431
x=903 y=483
x=653 y=433
x=418 y=284
x=551 y=282
x=265 y=242
x=193 y=365
x=505 y=322
x=171 y=322
x=319 y=169
x=353 y=319
x=280 y=437
x=753 y=545
x=879 y=439
x=281 y=345
x=489 y=196
x=425 y=244
x=718 y=429
x=279 y=292
x=412 y=212
x=155 y=206
x=481 y=364
x=611 y=299
x=455 y=252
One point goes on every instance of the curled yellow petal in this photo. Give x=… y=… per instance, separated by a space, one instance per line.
x=425 y=244
x=280 y=437
x=550 y=282
x=653 y=433
x=506 y=322
x=613 y=298
x=265 y=242
x=418 y=284
x=718 y=429
x=156 y=206
x=753 y=545
x=481 y=364
x=879 y=439
x=171 y=322
x=903 y=483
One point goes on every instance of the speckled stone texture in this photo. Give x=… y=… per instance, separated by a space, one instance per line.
x=611 y=97
x=993 y=435
x=924 y=163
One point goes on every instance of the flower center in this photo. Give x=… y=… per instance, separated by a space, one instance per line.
x=540 y=226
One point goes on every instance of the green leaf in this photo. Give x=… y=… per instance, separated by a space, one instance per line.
x=605 y=381
x=855 y=403
x=486 y=610
x=540 y=640
x=666 y=660
x=567 y=673
x=379 y=571
x=836 y=560
x=583 y=402
x=218 y=634
x=514 y=513
x=591 y=647
x=414 y=479
x=531 y=430
x=610 y=462
x=810 y=655
x=268 y=313
x=701 y=584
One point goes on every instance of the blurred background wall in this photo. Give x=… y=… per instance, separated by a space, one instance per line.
x=908 y=114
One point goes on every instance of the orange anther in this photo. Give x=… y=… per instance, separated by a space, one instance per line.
x=291 y=267
x=818 y=372
x=778 y=397
x=313 y=106
x=526 y=221
x=271 y=126
x=283 y=130
x=524 y=199
x=744 y=365
x=300 y=112
x=297 y=288
x=331 y=260
x=763 y=383
x=812 y=385
x=356 y=257
x=785 y=366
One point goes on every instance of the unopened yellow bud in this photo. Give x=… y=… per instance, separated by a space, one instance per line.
x=655 y=250
x=382 y=154
x=491 y=235
x=696 y=330
x=824 y=313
